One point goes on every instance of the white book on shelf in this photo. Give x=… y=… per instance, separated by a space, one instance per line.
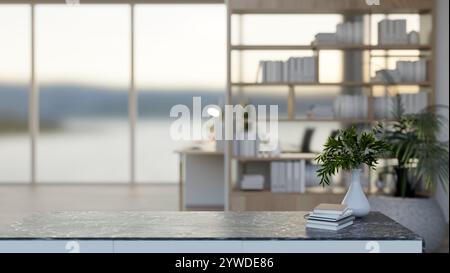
x=348 y=30
x=400 y=34
x=282 y=181
x=305 y=69
x=299 y=72
x=381 y=32
x=279 y=69
x=270 y=70
x=391 y=32
x=302 y=175
x=294 y=66
x=409 y=71
x=308 y=65
x=273 y=72
x=277 y=176
x=267 y=68
x=401 y=68
x=414 y=103
x=358 y=37
x=291 y=69
x=420 y=70
x=271 y=65
x=408 y=103
x=273 y=176
x=384 y=28
x=296 y=176
x=285 y=71
x=289 y=178
x=423 y=99
x=339 y=33
x=314 y=77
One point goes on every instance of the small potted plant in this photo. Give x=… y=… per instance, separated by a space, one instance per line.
x=350 y=151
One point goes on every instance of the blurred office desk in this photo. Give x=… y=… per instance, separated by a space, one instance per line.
x=201 y=180
x=229 y=232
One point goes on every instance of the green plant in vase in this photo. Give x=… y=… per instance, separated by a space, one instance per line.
x=350 y=151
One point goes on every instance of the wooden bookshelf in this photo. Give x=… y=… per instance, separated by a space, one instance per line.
x=340 y=84
x=266 y=200
x=330 y=47
x=345 y=7
x=278 y=201
x=282 y=157
x=339 y=120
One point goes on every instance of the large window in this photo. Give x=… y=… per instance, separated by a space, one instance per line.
x=83 y=72
x=180 y=53
x=14 y=87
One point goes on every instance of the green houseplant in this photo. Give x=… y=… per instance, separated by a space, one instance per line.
x=420 y=155
x=349 y=151
x=421 y=159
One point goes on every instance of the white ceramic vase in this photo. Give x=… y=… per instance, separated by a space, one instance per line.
x=355 y=197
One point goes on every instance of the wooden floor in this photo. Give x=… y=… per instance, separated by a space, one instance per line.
x=18 y=201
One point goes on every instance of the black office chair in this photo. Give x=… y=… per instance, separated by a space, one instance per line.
x=306 y=141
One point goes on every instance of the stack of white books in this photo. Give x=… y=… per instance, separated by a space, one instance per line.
x=252 y=182
x=384 y=107
x=351 y=106
x=349 y=33
x=405 y=71
x=412 y=71
x=330 y=217
x=287 y=176
x=295 y=69
x=346 y=33
x=393 y=32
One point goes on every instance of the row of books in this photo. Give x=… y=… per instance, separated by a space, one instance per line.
x=391 y=32
x=330 y=217
x=295 y=69
x=287 y=176
x=405 y=71
x=351 y=106
x=384 y=107
x=346 y=33
x=356 y=106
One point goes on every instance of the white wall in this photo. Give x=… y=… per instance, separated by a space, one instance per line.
x=442 y=87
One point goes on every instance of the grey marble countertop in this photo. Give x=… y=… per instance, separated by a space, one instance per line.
x=198 y=225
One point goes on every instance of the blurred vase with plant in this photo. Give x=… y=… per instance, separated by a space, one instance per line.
x=421 y=163
x=419 y=154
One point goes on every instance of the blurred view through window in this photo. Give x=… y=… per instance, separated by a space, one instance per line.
x=83 y=72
